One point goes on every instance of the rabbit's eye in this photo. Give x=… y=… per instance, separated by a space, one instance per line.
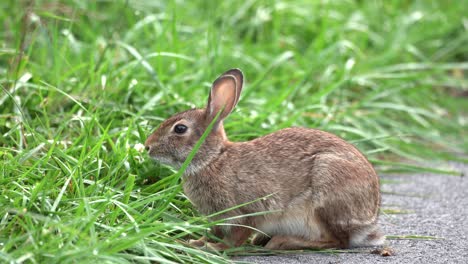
x=180 y=129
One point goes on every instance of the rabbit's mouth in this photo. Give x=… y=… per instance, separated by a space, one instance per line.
x=170 y=161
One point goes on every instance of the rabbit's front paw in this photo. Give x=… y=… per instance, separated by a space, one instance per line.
x=216 y=246
x=197 y=242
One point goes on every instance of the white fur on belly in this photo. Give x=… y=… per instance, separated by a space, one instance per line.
x=293 y=222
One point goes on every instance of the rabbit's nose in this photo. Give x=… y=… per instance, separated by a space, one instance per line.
x=151 y=139
x=147 y=146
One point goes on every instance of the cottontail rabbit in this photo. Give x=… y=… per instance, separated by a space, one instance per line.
x=321 y=191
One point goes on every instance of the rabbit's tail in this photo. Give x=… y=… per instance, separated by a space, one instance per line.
x=369 y=236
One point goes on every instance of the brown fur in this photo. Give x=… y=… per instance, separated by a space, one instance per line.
x=324 y=192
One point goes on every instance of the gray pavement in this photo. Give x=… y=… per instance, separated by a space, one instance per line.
x=430 y=205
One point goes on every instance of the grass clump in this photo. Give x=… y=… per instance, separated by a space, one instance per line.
x=84 y=82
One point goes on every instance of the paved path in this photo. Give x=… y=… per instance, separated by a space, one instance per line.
x=436 y=205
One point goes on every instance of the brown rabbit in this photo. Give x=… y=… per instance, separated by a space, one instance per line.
x=322 y=192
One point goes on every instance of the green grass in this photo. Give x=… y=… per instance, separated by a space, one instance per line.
x=411 y=237
x=83 y=82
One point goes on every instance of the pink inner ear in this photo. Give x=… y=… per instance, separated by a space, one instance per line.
x=223 y=94
x=239 y=76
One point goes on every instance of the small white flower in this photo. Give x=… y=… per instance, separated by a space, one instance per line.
x=139 y=147
x=103 y=81
x=34 y=18
x=350 y=64
x=133 y=82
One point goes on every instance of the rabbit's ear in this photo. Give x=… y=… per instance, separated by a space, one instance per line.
x=224 y=95
x=237 y=73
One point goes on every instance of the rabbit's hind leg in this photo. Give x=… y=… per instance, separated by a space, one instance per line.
x=296 y=243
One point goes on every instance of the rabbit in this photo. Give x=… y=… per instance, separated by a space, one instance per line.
x=318 y=190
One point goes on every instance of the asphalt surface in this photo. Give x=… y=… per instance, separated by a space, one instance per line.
x=429 y=205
